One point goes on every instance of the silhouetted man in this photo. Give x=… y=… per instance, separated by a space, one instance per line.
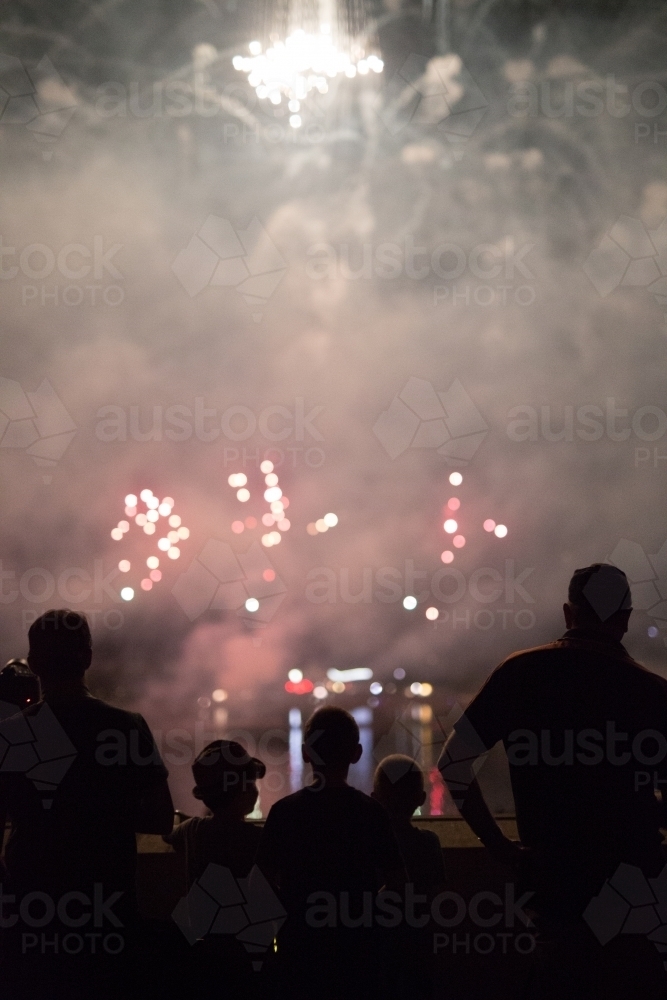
x=78 y=780
x=585 y=731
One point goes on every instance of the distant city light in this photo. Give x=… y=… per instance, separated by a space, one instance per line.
x=219 y=695
x=399 y=673
x=295 y=675
x=421 y=690
x=320 y=692
x=350 y=675
x=409 y=603
x=376 y=688
x=652 y=631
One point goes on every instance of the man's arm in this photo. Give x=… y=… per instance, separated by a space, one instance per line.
x=457 y=766
x=156 y=809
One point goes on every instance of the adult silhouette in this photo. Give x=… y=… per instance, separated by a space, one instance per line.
x=78 y=780
x=584 y=727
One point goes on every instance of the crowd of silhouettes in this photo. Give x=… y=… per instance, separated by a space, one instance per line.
x=330 y=857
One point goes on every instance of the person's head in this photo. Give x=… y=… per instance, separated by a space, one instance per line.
x=398 y=785
x=226 y=778
x=599 y=598
x=60 y=647
x=331 y=740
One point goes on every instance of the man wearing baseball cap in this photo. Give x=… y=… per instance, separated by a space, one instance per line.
x=226 y=782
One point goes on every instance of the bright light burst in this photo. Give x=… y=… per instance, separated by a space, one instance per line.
x=155 y=511
x=302 y=64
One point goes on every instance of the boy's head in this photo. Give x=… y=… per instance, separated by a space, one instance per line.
x=226 y=776
x=398 y=785
x=331 y=739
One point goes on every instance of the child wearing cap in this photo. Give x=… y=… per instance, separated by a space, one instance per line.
x=226 y=782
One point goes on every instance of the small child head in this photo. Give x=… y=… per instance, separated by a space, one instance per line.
x=399 y=785
x=226 y=775
x=331 y=738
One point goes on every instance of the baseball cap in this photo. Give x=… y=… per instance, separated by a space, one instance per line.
x=224 y=763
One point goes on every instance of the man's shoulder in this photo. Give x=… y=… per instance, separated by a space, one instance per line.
x=102 y=711
x=523 y=658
